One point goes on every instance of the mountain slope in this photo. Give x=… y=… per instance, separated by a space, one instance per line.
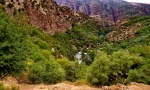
x=45 y=14
x=113 y=10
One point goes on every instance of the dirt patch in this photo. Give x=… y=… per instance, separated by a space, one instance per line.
x=9 y=81
x=59 y=86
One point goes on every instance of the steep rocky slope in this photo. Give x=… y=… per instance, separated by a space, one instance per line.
x=46 y=14
x=126 y=30
x=112 y=10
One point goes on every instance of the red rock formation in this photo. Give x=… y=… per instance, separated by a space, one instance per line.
x=47 y=16
x=110 y=10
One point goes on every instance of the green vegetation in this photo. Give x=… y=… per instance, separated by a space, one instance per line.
x=138 y=47
x=36 y=57
x=25 y=48
x=12 y=47
x=136 y=19
x=46 y=72
x=13 y=87
x=2 y=2
x=2 y=86
x=114 y=68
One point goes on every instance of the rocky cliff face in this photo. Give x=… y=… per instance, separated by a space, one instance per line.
x=112 y=10
x=46 y=14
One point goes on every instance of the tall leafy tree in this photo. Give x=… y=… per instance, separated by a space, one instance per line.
x=12 y=46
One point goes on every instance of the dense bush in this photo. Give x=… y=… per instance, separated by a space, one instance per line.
x=73 y=70
x=141 y=75
x=121 y=63
x=114 y=68
x=13 y=49
x=46 y=72
x=99 y=70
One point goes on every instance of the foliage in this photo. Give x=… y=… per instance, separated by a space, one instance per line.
x=81 y=71
x=142 y=38
x=127 y=60
x=2 y=2
x=142 y=50
x=141 y=75
x=73 y=70
x=13 y=87
x=76 y=39
x=136 y=19
x=46 y=72
x=12 y=46
x=99 y=70
x=110 y=69
x=121 y=63
x=2 y=86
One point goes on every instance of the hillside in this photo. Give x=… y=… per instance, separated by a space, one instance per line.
x=46 y=14
x=110 y=53
x=109 y=10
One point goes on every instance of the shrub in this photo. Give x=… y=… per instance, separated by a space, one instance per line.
x=2 y=87
x=114 y=68
x=13 y=87
x=81 y=71
x=46 y=72
x=141 y=75
x=99 y=70
x=71 y=71
x=64 y=62
x=142 y=50
x=121 y=63
x=80 y=82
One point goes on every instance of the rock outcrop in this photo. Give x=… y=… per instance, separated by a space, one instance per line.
x=46 y=14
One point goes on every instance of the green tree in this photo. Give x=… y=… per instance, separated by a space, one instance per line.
x=12 y=46
x=99 y=70
x=121 y=63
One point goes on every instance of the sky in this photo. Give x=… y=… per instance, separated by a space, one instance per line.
x=140 y=1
